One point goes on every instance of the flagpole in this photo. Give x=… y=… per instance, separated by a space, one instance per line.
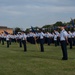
x=36 y=43
x=72 y=22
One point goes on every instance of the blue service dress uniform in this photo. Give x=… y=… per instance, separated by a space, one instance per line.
x=8 y=40
x=63 y=41
x=2 y=38
x=24 y=41
x=70 y=39
x=73 y=38
x=41 y=37
x=20 y=40
x=32 y=38
x=48 y=38
x=58 y=38
x=55 y=39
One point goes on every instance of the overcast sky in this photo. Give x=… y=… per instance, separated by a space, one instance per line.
x=27 y=13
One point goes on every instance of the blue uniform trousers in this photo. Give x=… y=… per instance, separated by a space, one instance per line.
x=24 y=44
x=41 y=45
x=70 y=42
x=7 y=43
x=64 y=49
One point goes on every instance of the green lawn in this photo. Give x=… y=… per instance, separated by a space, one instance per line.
x=14 y=61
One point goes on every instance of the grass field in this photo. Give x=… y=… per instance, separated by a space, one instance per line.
x=14 y=61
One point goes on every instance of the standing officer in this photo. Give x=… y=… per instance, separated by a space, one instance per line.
x=41 y=38
x=70 y=39
x=20 y=40
x=58 y=38
x=64 y=41
x=55 y=39
x=73 y=38
x=48 y=38
x=8 y=40
x=2 y=38
x=24 y=41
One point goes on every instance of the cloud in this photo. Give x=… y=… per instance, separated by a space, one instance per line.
x=35 y=9
x=35 y=12
x=28 y=7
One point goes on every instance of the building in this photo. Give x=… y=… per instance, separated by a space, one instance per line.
x=4 y=28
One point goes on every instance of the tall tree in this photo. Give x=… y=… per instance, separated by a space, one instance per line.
x=17 y=29
x=58 y=23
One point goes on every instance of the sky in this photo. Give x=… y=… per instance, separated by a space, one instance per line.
x=27 y=13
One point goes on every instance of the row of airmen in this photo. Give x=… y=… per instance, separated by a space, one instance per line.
x=63 y=37
x=34 y=38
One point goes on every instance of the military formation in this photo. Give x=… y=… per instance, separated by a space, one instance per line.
x=62 y=38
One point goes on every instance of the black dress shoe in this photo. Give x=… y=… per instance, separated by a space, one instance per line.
x=64 y=58
x=70 y=48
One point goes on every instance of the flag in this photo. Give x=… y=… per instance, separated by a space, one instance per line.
x=5 y=32
x=72 y=21
x=33 y=30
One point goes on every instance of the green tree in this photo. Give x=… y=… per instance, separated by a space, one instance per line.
x=17 y=29
x=27 y=30
x=58 y=23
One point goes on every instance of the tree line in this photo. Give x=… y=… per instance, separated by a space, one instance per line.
x=50 y=27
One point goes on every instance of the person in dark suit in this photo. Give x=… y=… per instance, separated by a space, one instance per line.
x=64 y=41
